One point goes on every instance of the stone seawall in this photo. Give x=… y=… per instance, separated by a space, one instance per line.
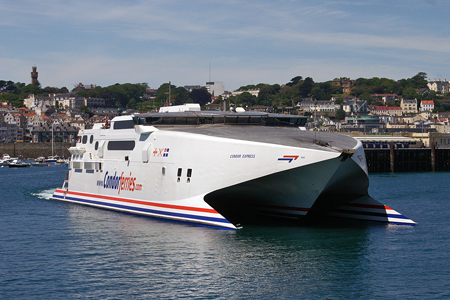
x=34 y=150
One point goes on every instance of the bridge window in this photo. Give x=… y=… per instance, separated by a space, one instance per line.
x=127 y=124
x=121 y=145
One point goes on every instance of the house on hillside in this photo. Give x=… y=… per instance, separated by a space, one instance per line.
x=386 y=98
x=355 y=106
x=345 y=83
x=386 y=110
x=439 y=86
x=307 y=105
x=409 y=106
x=426 y=105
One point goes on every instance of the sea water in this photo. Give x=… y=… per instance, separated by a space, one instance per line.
x=56 y=250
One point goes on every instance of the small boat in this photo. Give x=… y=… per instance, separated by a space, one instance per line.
x=40 y=162
x=51 y=159
x=5 y=159
x=18 y=163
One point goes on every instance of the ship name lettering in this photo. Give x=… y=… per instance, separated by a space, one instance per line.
x=120 y=183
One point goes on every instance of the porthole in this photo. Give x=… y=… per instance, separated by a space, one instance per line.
x=96 y=145
x=91 y=139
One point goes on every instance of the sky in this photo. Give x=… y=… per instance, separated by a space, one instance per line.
x=237 y=42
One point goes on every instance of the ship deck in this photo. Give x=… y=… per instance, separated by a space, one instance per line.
x=286 y=136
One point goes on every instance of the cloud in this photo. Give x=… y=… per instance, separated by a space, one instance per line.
x=104 y=42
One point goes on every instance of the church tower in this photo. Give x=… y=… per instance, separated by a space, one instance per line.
x=34 y=76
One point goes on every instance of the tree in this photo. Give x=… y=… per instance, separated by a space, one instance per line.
x=294 y=81
x=419 y=80
x=200 y=96
x=32 y=89
x=340 y=114
x=246 y=99
x=16 y=100
x=409 y=93
x=266 y=94
x=131 y=103
x=181 y=96
x=306 y=87
x=366 y=96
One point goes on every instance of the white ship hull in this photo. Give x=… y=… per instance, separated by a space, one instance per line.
x=205 y=175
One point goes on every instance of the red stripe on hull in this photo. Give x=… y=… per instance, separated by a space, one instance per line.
x=169 y=206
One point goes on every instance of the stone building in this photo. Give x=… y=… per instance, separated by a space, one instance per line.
x=345 y=83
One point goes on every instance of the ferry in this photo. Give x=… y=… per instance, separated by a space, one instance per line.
x=221 y=169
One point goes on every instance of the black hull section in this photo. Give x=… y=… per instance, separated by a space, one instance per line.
x=286 y=195
x=349 y=183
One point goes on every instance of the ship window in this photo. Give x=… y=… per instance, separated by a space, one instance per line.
x=84 y=141
x=121 y=145
x=189 y=172
x=96 y=145
x=127 y=124
x=179 y=172
x=91 y=139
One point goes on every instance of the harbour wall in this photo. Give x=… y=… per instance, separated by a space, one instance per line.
x=407 y=159
x=35 y=150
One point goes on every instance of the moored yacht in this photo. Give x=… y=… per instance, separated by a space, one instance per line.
x=221 y=169
x=5 y=159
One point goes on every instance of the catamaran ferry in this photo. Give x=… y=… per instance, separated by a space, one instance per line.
x=221 y=169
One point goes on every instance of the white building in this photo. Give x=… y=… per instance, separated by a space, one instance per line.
x=180 y=108
x=32 y=100
x=427 y=105
x=439 y=86
x=254 y=92
x=215 y=88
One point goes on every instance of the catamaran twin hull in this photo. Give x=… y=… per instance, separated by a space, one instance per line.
x=222 y=175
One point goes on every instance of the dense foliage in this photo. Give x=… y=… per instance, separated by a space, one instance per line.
x=273 y=95
x=15 y=92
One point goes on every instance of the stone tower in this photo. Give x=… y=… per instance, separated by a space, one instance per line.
x=34 y=76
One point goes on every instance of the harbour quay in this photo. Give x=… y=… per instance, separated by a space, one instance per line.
x=35 y=150
x=406 y=152
x=395 y=159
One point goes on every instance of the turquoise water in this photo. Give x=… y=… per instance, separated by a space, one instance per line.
x=56 y=250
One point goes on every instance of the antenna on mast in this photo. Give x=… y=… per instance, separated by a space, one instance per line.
x=210 y=71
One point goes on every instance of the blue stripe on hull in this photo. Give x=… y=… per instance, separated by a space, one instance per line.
x=145 y=210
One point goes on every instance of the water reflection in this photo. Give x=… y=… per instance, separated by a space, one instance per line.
x=177 y=260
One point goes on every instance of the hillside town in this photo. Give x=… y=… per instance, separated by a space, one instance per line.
x=61 y=115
